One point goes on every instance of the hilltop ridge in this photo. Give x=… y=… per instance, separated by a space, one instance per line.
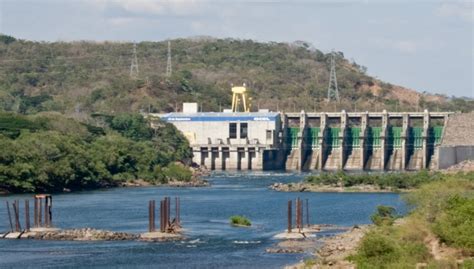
x=84 y=77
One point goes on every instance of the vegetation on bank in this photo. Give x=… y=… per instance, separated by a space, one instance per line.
x=238 y=220
x=381 y=180
x=443 y=214
x=88 y=77
x=48 y=152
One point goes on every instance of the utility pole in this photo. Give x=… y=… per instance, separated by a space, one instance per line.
x=134 y=64
x=168 y=63
x=333 y=90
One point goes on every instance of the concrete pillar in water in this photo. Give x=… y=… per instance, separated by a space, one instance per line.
x=426 y=126
x=257 y=160
x=404 y=137
x=208 y=158
x=383 y=139
x=244 y=159
x=362 y=139
x=342 y=140
x=301 y=140
x=217 y=158
x=233 y=160
x=322 y=140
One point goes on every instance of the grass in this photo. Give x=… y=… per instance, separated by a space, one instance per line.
x=238 y=220
x=382 y=180
x=443 y=211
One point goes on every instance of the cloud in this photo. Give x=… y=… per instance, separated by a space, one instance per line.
x=462 y=10
x=149 y=7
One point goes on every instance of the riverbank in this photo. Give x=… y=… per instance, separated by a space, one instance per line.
x=312 y=187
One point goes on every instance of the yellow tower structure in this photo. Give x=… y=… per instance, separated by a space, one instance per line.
x=240 y=98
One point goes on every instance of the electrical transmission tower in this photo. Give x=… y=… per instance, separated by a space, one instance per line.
x=333 y=90
x=168 y=63
x=134 y=64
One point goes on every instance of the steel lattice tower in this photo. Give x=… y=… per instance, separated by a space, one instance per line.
x=168 y=63
x=333 y=90
x=134 y=64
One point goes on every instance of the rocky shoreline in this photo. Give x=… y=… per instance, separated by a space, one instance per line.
x=311 y=187
x=335 y=250
x=89 y=234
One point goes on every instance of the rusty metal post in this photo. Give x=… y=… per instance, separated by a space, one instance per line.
x=302 y=213
x=50 y=213
x=16 y=211
x=46 y=212
x=307 y=213
x=27 y=215
x=289 y=216
x=9 y=216
x=176 y=209
x=40 y=210
x=35 y=213
x=149 y=216
x=161 y=217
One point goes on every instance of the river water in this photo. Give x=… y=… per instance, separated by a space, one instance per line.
x=211 y=242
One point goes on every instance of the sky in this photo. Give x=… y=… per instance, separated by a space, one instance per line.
x=423 y=45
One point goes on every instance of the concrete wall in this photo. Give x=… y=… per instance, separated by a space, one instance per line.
x=450 y=155
x=209 y=132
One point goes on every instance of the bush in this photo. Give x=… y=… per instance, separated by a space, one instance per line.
x=455 y=225
x=178 y=172
x=238 y=220
x=385 y=215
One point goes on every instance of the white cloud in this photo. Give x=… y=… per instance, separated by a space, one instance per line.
x=462 y=10
x=151 y=7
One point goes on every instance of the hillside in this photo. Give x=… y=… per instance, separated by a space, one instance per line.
x=79 y=78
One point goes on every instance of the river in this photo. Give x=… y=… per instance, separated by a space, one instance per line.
x=211 y=242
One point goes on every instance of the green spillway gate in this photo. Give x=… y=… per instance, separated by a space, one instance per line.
x=415 y=137
x=395 y=137
x=333 y=137
x=293 y=137
x=354 y=137
x=434 y=135
x=373 y=137
x=314 y=137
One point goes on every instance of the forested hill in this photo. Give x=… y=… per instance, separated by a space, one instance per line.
x=87 y=77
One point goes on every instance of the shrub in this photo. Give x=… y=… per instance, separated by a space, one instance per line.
x=455 y=226
x=178 y=172
x=238 y=220
x=385 y=215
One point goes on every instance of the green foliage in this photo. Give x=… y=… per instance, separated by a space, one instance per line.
x=133 y=126
x=6 y=39
x=48 y=153
x=385 y=215
x=239 y=220
x=383 y=248
x=177 y=172
x=94 y=76
x=382 y=180
x=455 y=225
x=444 y=207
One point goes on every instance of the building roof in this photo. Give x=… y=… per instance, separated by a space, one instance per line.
x=221 y=116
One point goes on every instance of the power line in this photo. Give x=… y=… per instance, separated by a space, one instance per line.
x=333 y=90
x=134 y=64
x=168 y=62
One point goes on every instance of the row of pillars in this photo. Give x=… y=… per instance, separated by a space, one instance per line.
x=41 y=218
x=364 y=122
x=300 y=207
x=166 y=224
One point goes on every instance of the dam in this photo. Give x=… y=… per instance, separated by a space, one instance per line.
x=313 y=141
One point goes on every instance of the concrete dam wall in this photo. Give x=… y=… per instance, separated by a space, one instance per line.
x=371 y=141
